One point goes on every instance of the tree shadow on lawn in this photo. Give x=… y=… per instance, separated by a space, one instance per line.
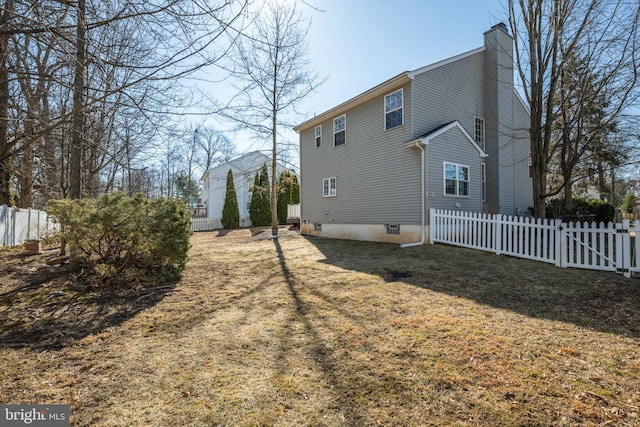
x=45 y=311
x=318 y=349
x=603 y=301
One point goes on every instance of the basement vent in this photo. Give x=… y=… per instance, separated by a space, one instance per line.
x=317 y=227
x=393 y=228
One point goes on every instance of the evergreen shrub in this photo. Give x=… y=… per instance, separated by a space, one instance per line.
x=116 y=233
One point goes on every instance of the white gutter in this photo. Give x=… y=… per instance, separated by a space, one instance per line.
x=419 y=144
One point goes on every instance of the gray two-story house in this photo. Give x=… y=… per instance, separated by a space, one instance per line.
x=450 y=135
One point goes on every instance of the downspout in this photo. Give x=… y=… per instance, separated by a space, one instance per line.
x=420 y=145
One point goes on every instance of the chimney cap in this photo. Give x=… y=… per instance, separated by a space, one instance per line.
x=502 y=26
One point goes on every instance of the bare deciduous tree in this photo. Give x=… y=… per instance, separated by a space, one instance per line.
x=272 y=73
x=214 y=148
x=548 y=35
x=134 y=54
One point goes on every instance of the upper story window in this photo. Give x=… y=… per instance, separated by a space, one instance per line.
x=456 y=179
x=318 y=135
x=393 y=110
x=479 y=127
x=329 y=188
x=340 y=130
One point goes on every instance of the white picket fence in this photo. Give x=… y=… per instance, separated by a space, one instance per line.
x=18 y=225
x=597 y=246
x=205 y=224
x=293 y=211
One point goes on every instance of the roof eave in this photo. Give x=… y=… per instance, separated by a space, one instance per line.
x=446 y=61
x=372 y=93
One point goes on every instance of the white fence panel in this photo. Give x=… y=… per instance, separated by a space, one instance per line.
x=18 y=225
x=528 y=238
x=521 y=237
x=293 y=211
x=205 y=224
x=634 y=262
x=592 y=246
x=582 y=245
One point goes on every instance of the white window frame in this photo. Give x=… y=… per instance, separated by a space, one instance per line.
x=401 y=108
x=457 y=180
x=329 y=190
x=480 y=133
x=344 y=129
x=318 y=134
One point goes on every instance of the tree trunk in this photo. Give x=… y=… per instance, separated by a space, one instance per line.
x=274 y=184
x=75 y=165
x=5 y=161
x=26 y=178
x=75 y=161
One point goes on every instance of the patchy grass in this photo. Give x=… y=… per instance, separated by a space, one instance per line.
x=320 y=332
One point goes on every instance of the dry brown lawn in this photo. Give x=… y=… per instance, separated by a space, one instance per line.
x=307 y=331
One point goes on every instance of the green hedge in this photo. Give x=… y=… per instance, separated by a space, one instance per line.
x=115 y=233
x=582 y=210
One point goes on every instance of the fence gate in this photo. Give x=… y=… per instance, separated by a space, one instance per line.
x=595 y=246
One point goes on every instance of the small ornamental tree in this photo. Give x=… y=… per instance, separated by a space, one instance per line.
x=288 y=194
x=629 y=202
x=230 y=212
x=260 y=206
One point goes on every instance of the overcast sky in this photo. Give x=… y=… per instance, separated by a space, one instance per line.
x=361 y=43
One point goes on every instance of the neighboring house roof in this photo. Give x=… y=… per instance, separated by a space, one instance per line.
x=439 y=130
x=247 y=163
x=381 y=89
x=240 y=162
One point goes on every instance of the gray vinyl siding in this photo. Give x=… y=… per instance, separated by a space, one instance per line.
x=378 y=178
x=454 y=91
x=523 y=182
x=453 y=147
x=499 y=104
x=450 y=92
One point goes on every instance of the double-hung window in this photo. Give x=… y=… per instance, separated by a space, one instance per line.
x=456 y=179
x=339 y=130
x=393 y=110
x=329 y=187
x=318 y=136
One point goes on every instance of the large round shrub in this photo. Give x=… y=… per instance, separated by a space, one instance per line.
x=115 y=232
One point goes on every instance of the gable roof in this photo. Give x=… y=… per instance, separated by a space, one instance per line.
x=246 y=163
x=438 y=64
x=381 y=89
x=426 y=138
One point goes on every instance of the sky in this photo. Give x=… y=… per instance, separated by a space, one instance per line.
x=358 y=44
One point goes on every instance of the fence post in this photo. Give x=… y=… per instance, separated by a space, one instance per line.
x=14 y=225
x=623 y=248
x=432 y=227
x=497 y=241
x=560 y=243
x=28 y=223
x=4 y=224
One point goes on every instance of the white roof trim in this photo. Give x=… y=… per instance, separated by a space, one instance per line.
x=522 y=101
x=390 y=84
x=454 y=124
x=383 y=88
x=435 y=65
